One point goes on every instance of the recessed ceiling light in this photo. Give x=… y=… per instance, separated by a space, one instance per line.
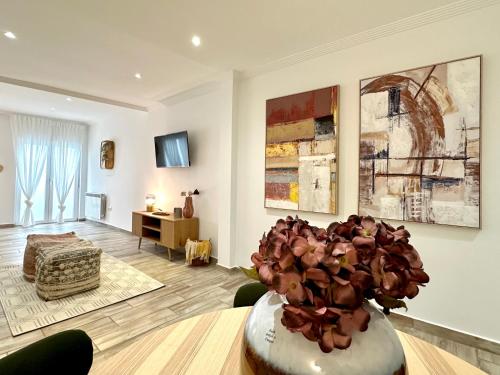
x=10 y=35
x=69 y=99
x=138 y=75
x=196 y=40
x=52 y=109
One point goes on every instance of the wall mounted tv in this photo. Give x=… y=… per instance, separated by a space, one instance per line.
x=172 y=150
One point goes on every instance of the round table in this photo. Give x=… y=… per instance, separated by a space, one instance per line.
x=211 y=344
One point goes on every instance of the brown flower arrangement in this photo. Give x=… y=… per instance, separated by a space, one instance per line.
x=328 y=274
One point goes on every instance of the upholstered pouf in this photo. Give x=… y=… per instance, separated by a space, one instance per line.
x=66 y=269
x=34 y=242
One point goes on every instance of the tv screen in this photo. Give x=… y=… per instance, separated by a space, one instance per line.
x=172 y=150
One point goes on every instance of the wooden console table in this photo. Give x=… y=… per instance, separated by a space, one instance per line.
x=164 y=230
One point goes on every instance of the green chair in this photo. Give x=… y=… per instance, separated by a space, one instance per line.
x=248 y=294
x=68 y=352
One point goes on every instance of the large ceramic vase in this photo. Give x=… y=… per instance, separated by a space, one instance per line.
x=269 y=348
x=188 y=209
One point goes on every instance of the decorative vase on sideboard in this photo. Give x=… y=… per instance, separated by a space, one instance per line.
x=269 y=348
x=188 y=209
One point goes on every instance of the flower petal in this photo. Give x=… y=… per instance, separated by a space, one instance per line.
x=363 y=242
x=326 y=343
x=319 y=277
x=266 y=274
x=352 y=255
x=361 y=279
x=360 y=319
x=419 y=276
x=309 y=260
x=257 y=259
x=390 y=280
x=280 y=225
x=296 y=295
x=340 y=341
x=411 y=290
x=310 y=295
x=341 y=281
x=369 y=225
x=292 y=321
x=344 y=294
x=282 y=281
x=300 y=246
x=286 y=260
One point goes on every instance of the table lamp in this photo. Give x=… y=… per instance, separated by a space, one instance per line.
x=150 y=202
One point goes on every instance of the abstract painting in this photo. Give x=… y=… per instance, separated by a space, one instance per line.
x=420 y=144
x=301 y=151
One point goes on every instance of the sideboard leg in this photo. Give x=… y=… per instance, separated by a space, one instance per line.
x=140 y=241
x=169 y=254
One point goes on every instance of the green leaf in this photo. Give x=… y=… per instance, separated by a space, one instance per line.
x=390 y=302
x=251 y=272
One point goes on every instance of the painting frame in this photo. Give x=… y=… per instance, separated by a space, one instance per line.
x=335 y=116
x=480 y=131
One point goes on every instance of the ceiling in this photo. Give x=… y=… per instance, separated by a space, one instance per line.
x=18 y=99
x=96 y=46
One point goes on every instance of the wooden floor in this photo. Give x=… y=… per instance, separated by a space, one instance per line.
x=188 y=292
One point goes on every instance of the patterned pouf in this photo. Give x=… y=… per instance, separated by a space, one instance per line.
x=33 y=244
x=66 y=269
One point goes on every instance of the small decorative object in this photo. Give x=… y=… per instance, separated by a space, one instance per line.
x=301 y=151
x=177 y=213
x=420 y=135
x=107 y=154
x=150 y=202
x=188 y=209
x=1 y=168
x=198 y=252
x=321 y=282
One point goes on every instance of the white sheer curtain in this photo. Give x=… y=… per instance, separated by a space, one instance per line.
x=66 y=154
x=31 y=137
x=38 y=140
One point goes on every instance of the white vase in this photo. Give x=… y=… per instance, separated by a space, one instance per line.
x=269 y=348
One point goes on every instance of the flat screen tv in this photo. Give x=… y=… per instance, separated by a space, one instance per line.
x=172 y=150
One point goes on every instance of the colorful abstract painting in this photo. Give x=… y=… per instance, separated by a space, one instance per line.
x=301 y=145
x=420 y=144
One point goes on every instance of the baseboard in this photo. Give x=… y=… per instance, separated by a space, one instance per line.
x=107 y=225
x=402 y=321
x=7 y=226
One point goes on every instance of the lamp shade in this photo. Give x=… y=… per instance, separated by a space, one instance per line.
x=150 y=202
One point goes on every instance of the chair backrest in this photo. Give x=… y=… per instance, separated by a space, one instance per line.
x=249 y=294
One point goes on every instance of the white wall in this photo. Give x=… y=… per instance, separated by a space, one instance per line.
x=206 y=113
x=123 y=185
x=463 y=293
x=8 y=176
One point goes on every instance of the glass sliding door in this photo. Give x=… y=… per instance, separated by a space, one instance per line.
x=45 y=205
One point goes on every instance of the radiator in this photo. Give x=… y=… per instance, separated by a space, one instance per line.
x=95 y=206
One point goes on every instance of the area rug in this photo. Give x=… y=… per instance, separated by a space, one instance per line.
x=25 y=311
